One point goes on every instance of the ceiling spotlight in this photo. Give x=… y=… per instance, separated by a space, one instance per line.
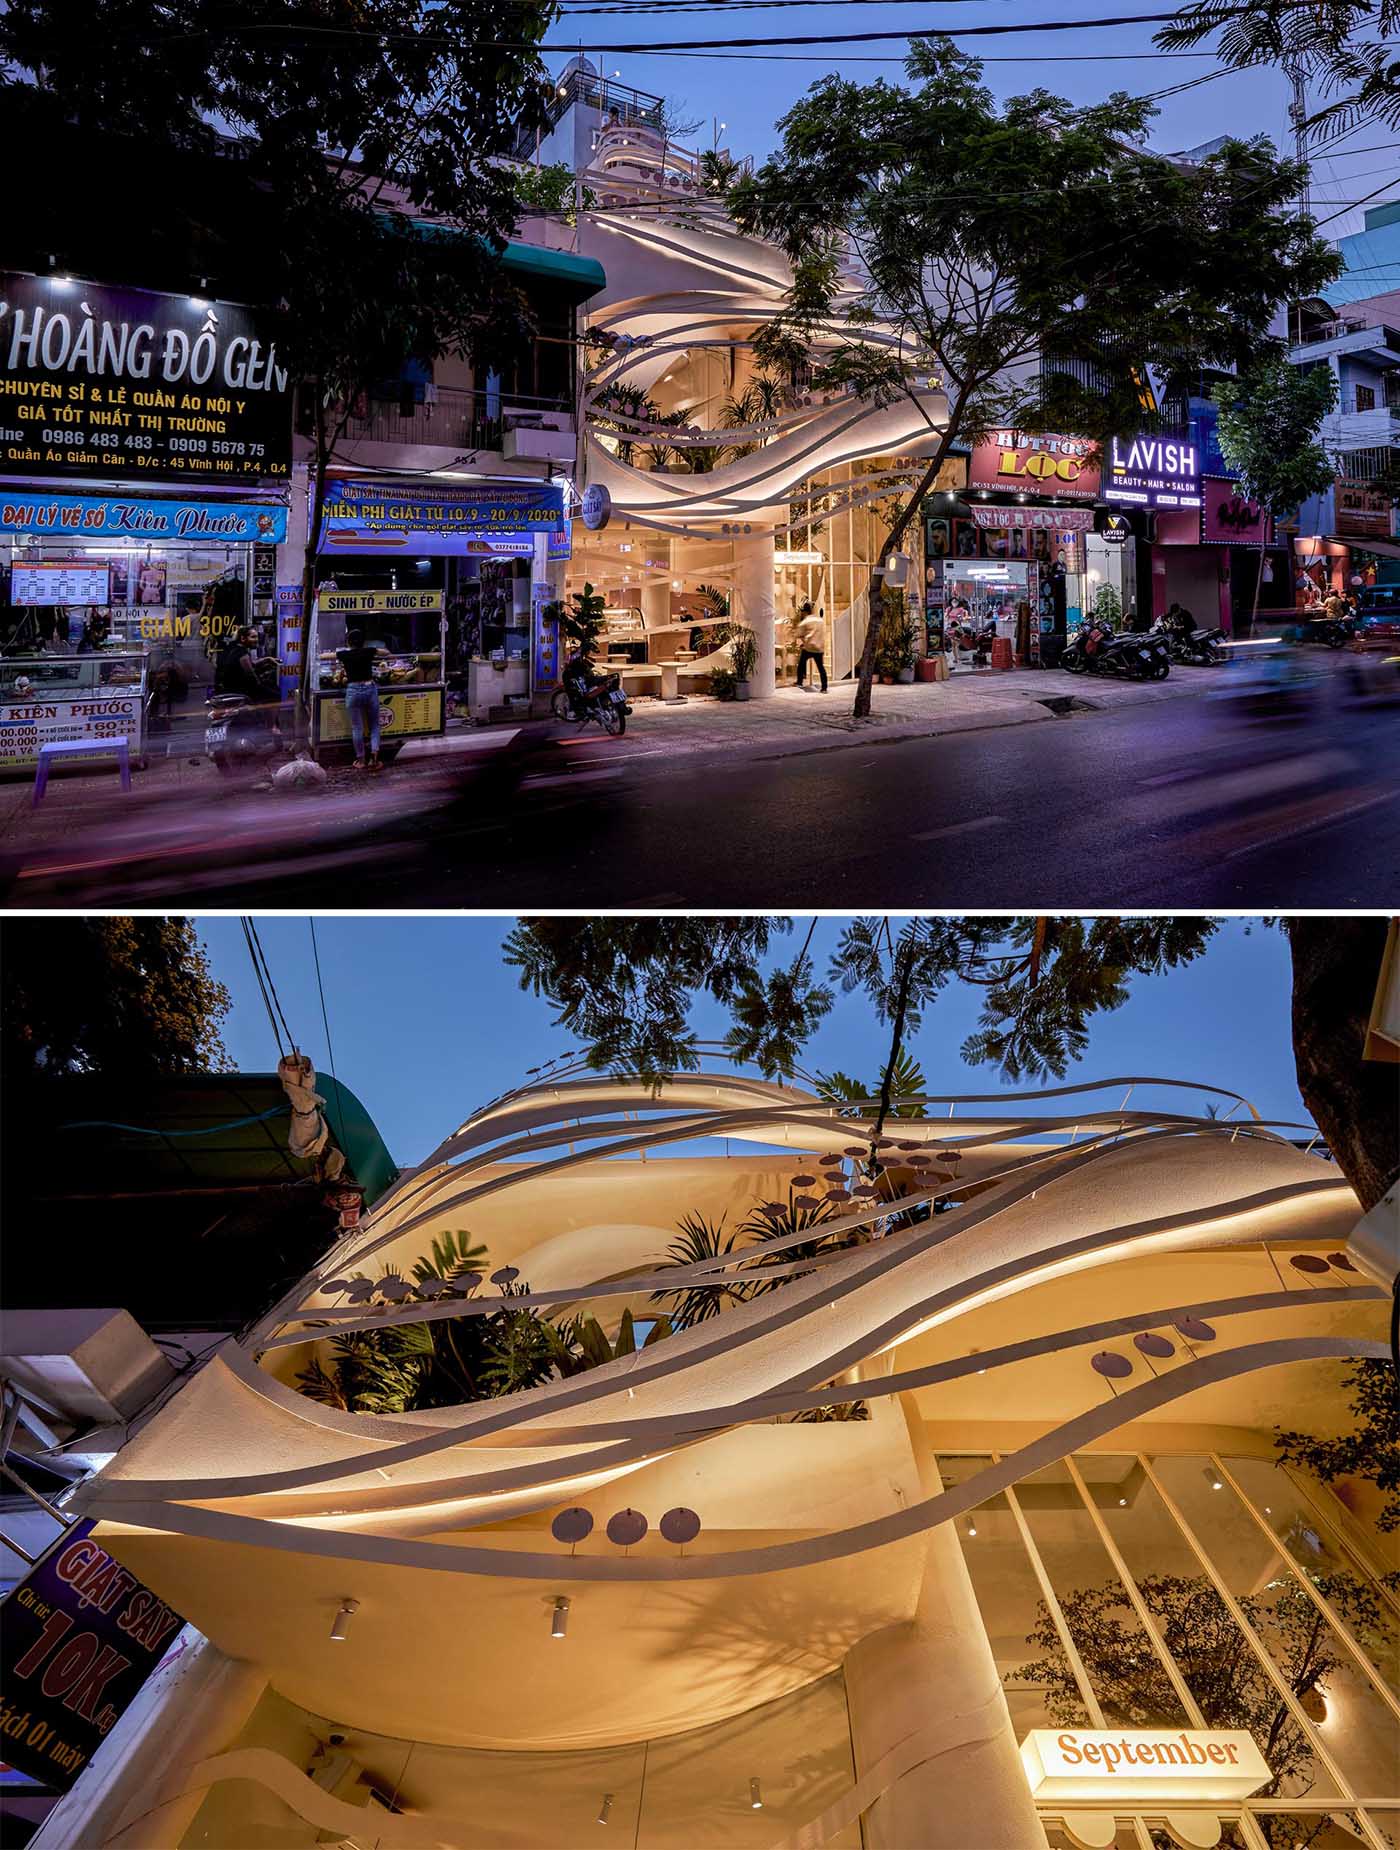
x=1209 y=1475
x=1122 y=1503
x=559 y=1618
x=348 y=1609
x=971 y=1526
x=755 y=1796
x=605 y=1809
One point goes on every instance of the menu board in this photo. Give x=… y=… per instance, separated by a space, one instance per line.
x=67 y=581
x=106 y=714
x=96 y=380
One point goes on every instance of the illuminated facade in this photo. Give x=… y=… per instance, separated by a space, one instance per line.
x=500 y=1622
x=723 y=476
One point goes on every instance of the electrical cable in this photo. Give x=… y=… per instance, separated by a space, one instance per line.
x=1350 y=205
x=325 y=1023
x=267 y=1000
x=277 y=1000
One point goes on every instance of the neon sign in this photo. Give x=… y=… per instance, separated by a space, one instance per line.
x=1154 y=472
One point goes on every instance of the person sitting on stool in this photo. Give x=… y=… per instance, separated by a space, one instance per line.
x=811 y=645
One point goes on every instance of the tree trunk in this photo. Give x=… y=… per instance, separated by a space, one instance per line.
x=901 y=1007
x=1336 y=964
x=861 y=710
x=1258 y=587
x=315 y=520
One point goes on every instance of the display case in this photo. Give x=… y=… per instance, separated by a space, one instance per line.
x=50 y=698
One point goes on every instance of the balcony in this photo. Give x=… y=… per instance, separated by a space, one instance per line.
x=1337 y=339
x=453 y=423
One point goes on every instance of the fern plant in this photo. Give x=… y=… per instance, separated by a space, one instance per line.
x=697 y=1240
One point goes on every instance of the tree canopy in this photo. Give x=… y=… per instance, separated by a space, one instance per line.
x=625 y=987
x=1269 y=419
x=120 y=996
x=1028 y=259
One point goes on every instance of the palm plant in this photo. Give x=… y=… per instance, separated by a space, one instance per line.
x=699 y=1240
x=617 y=406
x=453 y=1258
x=374 y=1371
x=586 y=1345
x=777 y=1220
x=838 y=1410
x=906 y=1088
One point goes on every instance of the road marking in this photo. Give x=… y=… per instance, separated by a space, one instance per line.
x=959 y=828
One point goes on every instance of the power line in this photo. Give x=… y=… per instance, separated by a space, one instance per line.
x=262 y=985
x=325 y=1022
x=1350 y=205
x=267 y=985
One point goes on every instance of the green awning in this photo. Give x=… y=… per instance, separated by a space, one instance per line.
x=582 y=276
x=574 y=276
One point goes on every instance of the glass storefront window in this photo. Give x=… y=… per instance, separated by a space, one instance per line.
x=1352 y=1721
x=1012 y=1605
x=1317 y=1551
x=1120 y=1660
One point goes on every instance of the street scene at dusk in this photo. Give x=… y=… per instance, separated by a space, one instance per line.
x=638 y=412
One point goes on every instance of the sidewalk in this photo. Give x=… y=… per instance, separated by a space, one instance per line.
x=794 y=721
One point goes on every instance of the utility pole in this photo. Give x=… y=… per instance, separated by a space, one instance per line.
x=1298 y=115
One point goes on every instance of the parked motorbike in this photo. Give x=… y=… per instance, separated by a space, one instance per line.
x=1197 y=648
x=605 y=703
x=242 y=734
x=1095 y=649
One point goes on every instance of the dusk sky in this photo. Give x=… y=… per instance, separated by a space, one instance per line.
x=749 y=88
x=427 y=1022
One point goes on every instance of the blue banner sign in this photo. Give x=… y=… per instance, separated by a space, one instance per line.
x=364 y=509
x=118 y=517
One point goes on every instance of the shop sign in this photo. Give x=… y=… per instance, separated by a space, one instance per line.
x=799 y=558
x=1035 y=465
x=1229 y=518
x=101 y=380
x=403 y=713
x=79 y=1635
x=1153 y=472
x=1115 y=529
x=1039 y=519
x=116 y=517
x=291 y=632
x=365 y=510
x=368 y=603
x=596 y=507
x=61 y=581
x=545 y=662
x=106 y=714
x=410 y=543
x=1361 y=510
x=1143 y=1763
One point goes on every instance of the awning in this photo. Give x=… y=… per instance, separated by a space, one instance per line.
x=1354 y=542
x=579 y=276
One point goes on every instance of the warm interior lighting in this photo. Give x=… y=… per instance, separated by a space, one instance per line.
x=755 y=1796
x=971 y=1526
x=559 y=1618
x=348 y=1609
x=605 y=1809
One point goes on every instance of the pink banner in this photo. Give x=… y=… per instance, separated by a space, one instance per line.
x=1050 y=519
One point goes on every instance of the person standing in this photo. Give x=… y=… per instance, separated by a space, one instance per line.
x=361 y=697
x=811 y=645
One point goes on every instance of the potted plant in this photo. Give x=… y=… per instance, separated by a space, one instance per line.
x=743 y=652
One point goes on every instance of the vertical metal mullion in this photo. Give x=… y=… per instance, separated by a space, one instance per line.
x=1266 y=1662
x=1334 y=1526
x=1052 y=1605
x=1130 y=1587
x=1368 y=1669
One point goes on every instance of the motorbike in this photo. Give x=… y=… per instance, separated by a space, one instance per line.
x=1095 y=649
x=241 y=733
x=1331 y=632
x=1197 y=648
x=606 y=703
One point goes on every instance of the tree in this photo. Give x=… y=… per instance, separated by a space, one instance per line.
x=1227 y=1680
x=1268 y=425
x=1371 y=1450
x=1028 y=260
x=375 y=137
x=626 y=986
x=110 y=995
x=1322 y=42
x=582 y=620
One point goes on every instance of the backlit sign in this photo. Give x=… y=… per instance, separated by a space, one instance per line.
x=1048 y=464
x=1143 y=1763
x=1153 y=472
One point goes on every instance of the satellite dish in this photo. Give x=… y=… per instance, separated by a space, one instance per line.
x=680 y=1526
x=627 y=1528
x=572 y=1525
x=1108 y=1362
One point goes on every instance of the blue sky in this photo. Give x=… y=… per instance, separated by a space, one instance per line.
x=748 y=89
x=427 y=1022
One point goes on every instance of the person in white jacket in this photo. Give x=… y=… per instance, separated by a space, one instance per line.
x=811 y=645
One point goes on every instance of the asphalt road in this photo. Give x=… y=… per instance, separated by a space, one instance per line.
x=1180 y=804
